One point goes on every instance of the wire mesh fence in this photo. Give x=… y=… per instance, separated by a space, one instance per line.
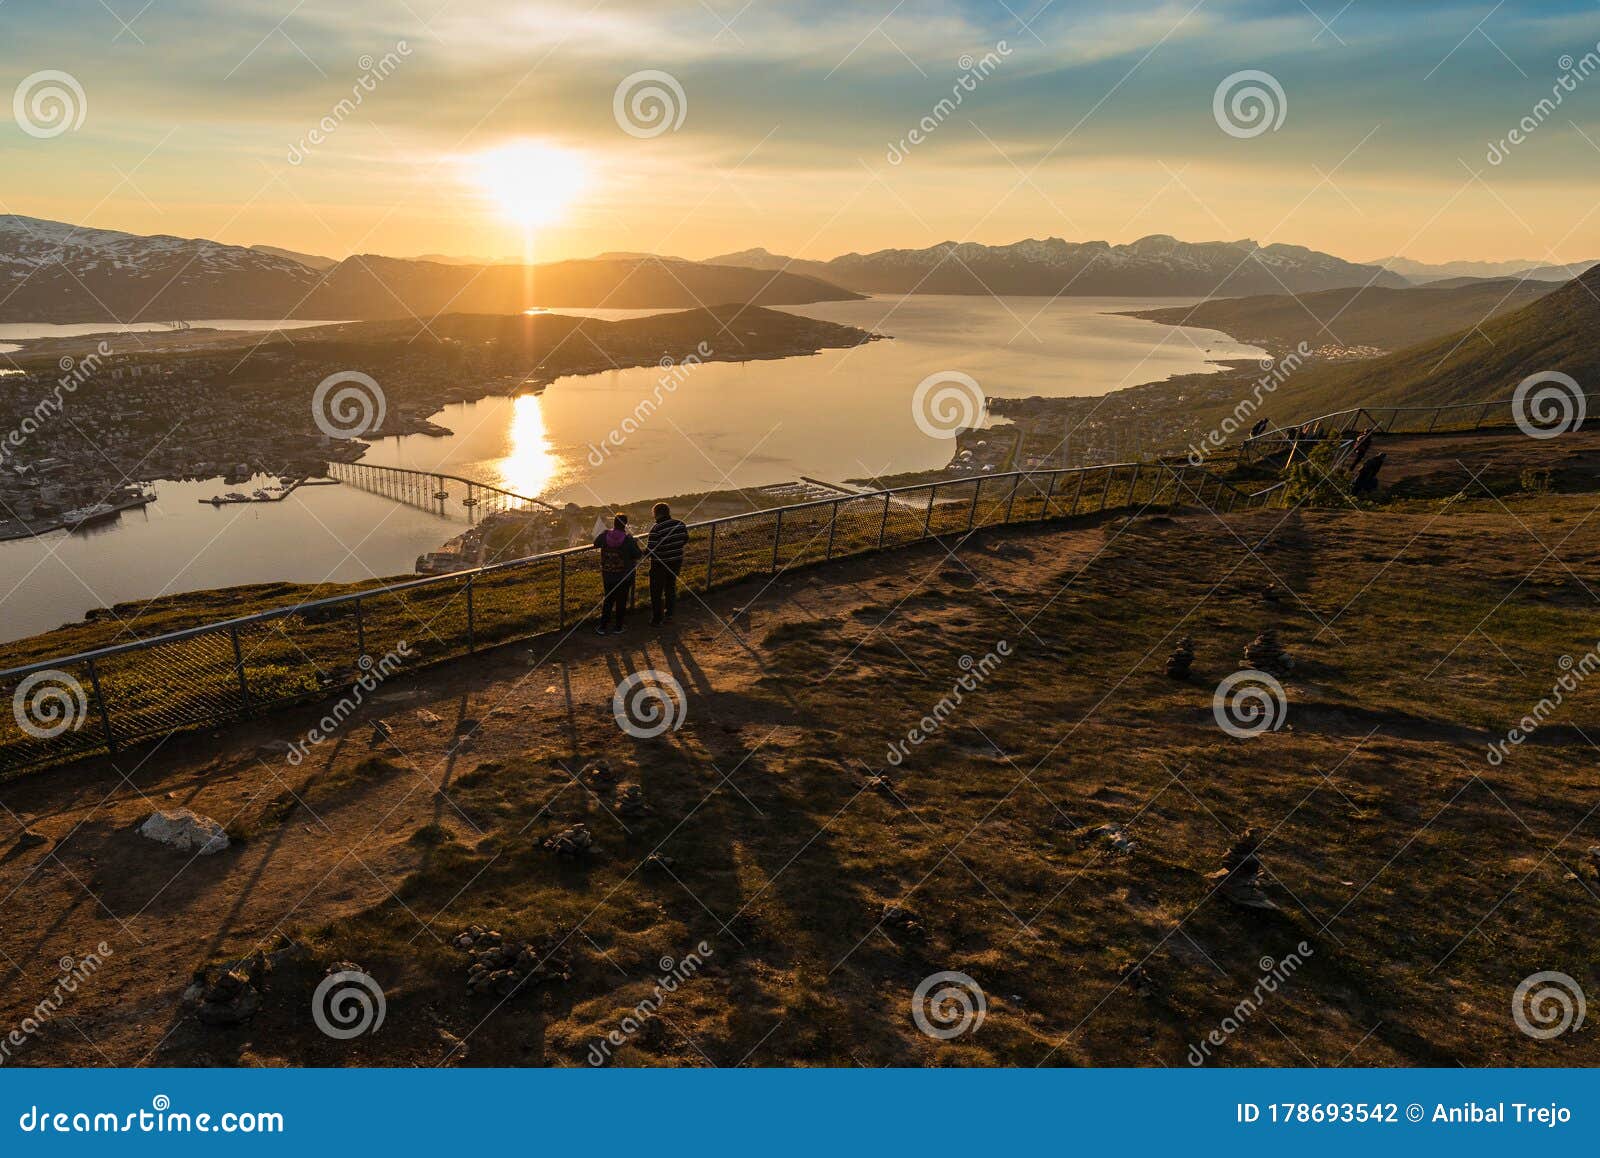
x=1453 y=418
x=109 y=699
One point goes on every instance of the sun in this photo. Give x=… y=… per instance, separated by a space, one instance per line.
x=530 y=181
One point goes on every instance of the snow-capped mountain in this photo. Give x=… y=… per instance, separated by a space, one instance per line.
x=52 y=271
x=1152 y=266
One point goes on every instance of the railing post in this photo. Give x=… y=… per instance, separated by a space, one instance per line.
x=561 y=596
x=1133 y=486
x=972 y=511
x=1077 y=494
x=238 y=666
x=1011 y=502
x=1105 y=491
x=1482 y=414
x=1434 y=421
x=105 y=712
x=927 y=516
x=777 y=538
x=711 y=556
x=833 y=526
x=1049 y=493
x=883 y=525
x=361 y=631
x=471 y=634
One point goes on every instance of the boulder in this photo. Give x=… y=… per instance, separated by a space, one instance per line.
x=186 y=831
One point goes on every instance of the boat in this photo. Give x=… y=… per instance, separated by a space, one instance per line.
x=90 y=515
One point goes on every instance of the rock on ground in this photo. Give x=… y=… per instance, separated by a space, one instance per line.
x=186 y=831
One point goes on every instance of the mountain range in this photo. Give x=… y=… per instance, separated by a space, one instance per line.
x=51 y=271
x=1459 y=272
x=1150 y=267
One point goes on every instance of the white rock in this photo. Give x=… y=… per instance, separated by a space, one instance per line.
x=186 y=831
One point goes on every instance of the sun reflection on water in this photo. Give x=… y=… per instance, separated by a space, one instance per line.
x=532 y=466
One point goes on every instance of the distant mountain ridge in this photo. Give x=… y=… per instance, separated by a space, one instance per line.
x=1459 y=271
x=51 y=271
x=1158 y=265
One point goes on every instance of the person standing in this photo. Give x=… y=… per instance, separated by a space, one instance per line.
x=619 y=558
x=668 y=538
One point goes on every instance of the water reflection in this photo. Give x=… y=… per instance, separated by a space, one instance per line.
x=532 y=467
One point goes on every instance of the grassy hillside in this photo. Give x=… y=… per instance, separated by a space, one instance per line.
x=1560 y=331
x=1389 y=319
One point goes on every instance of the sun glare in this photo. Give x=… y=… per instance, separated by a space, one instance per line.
x=532 y=183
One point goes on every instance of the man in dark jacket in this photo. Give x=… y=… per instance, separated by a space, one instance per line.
x=619 y=558
x=668 y=538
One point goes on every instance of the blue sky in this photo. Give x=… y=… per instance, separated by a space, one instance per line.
x=1097 y=122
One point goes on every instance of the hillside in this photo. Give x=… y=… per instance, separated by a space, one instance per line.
x=1560 y=331
x=51 y=271
x=1052 y=839
x=1386 y=318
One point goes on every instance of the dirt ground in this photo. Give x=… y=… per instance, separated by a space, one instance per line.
x=815 y=883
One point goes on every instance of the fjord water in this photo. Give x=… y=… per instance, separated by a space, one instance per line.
x=838 y=415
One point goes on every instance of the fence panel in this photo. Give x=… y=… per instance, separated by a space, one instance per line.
x=857 y=525
x=744 y=548
x=803 y=535
x=140 y=687
x=55 y=713
x=1028 y=503
x=514 y=602
x=430 y=621
x=907 y=516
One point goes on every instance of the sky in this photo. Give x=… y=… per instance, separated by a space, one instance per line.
x=811 y=128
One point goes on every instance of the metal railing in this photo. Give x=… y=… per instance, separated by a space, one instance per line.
x=108 y=699
x=1453 y=418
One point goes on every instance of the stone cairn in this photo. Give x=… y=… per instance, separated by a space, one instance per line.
x=631 y=802
x=903 y=923
x=597 y=774
x=571 y=843
x=1181 y=659
x=233 y=995
x=1265 y=653
x=501 y=966
x=1241 y=874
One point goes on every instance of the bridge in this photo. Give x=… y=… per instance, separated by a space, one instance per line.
x=433 y=490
